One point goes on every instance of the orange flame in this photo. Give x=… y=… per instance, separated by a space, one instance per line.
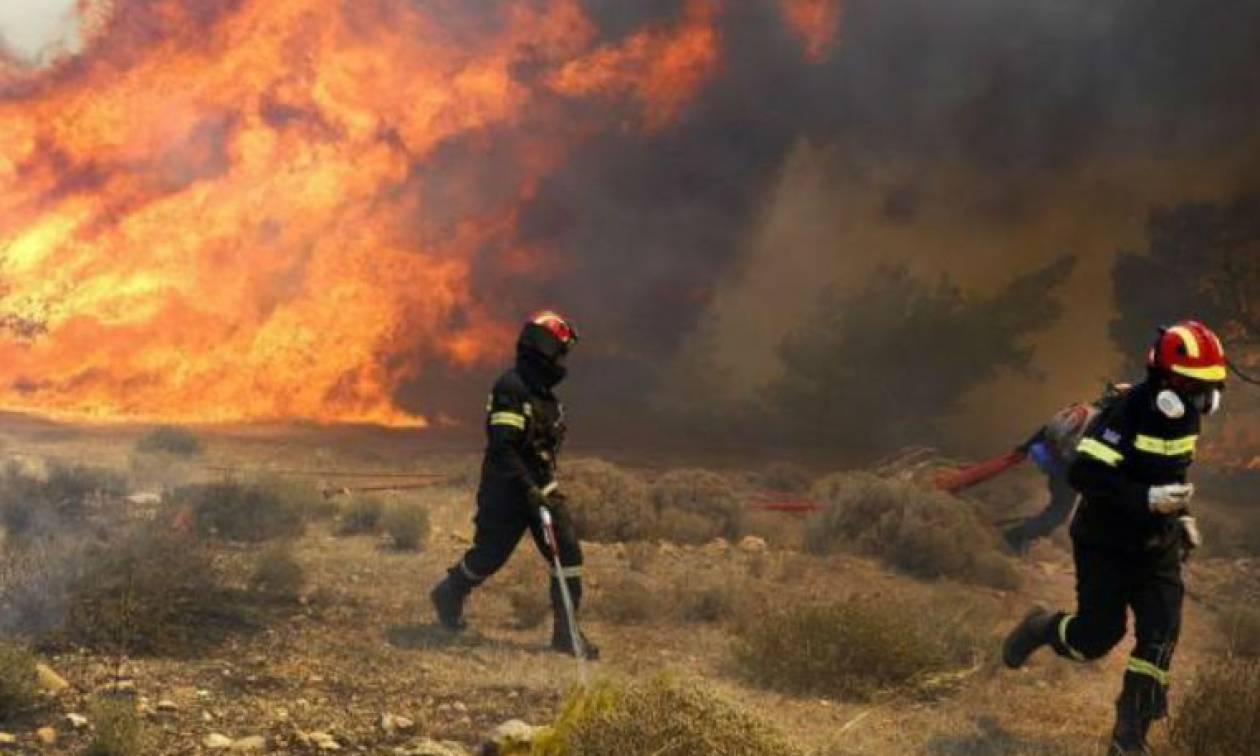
x=816 y=22
x=215 y=213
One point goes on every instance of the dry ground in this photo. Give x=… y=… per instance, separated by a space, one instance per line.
x=362 y=644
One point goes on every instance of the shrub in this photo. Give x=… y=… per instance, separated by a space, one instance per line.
x=361 y=514
x=19 y=682
x=408 y=525
x=608 y=504
x=626 y=600
x=250 y=512
x=657 y=718
x=1220 y=714
x=853 y=648
x=277 y=574
x=707 y=600
x=530 y=606
x=150 y=592
x=686 y=499
x=1241 y=626
x=169 y=439
x=785 y=477
x=31 y=505
x=918 y=531
x=119 y=730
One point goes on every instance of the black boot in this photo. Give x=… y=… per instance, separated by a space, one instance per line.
x=561 y=633
x=448 y=599
x=1128 y=738
x=1029 y=635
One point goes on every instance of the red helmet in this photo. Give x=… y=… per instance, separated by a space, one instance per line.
x=564 y=331
x=1191 y=350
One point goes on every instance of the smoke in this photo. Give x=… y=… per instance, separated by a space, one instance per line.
x=685 y=177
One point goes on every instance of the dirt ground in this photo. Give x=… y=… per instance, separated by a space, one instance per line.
x=362 y=643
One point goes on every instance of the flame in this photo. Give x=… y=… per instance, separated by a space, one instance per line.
x=249 y=210
x=815 y=22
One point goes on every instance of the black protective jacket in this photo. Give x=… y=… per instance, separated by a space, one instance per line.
x=525 y=430
x=1133 y=445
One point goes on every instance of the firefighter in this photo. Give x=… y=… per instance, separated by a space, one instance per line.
x=525 y=427
x=1133 y=528
x=1052 y=449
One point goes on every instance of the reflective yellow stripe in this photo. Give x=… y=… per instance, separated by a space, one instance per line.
x=508 y=418
x=1214 y=374
x=569 y=572
x=1092 y=447
x=1173 y=447
x=1142 y=667
x=1063 y=627
x=1187 y=338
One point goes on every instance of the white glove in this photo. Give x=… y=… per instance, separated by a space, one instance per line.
x=1190 y=532
x=1170 y=499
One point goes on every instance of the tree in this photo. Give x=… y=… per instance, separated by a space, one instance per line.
x=883 y=367
x=1202 y=261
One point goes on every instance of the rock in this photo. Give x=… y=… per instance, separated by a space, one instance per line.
x=753 y=545
x=391 y=724
x=512 y=733
x=76 y=721
x=167 y=705
x=251 y=744
x=323 y=741
x=49 y=681
x=7 y=740
x=217 y=742
x=429 y=747
x=460 y=706
x=46 y=735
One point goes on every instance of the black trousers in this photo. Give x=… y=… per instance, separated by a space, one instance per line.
x=1108 y=585
x=1062 y=501
x=503 y=517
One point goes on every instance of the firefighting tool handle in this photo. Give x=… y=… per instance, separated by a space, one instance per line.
x=1191 y=538
x=1170 y=499
x=553 y=545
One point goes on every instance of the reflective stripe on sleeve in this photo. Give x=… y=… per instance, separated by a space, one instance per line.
x=1095 y=449
x=511 y=419
x=1174 y=447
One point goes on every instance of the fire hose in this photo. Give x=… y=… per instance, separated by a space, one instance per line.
x=1244 y=377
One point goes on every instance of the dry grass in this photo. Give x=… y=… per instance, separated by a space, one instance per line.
x=626 y=600
x=1220 y=715
x=854 y=648
x=408 y=525
x=169 y=439
x=19 y=688
x=696 y=506
x=608 y=504
x=277 y=574
x=661 y=717
x=361 y=515
x=709 y=599
x=1240 y=624
x=118 y=729
x=918 y=531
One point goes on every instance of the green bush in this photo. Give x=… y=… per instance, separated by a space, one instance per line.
x=661 y=717
x=19 y=682
x=1220 y=714
x=918 y=531
x=169 y=439
x=608 y=504
x=118 y=729
x=277 y=574
x=151 y=592
x=361 y=514
x=408 y=525
x=30 y=505
x=250 y=512
x=853 y=648
x=696 y=506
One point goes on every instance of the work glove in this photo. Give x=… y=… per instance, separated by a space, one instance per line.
x=548 y=496
x=1191 y=538
x=1170 y=499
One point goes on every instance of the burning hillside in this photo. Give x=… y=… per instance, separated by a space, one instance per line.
x=268 y=210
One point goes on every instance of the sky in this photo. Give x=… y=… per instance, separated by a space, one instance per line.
x=30 y=27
